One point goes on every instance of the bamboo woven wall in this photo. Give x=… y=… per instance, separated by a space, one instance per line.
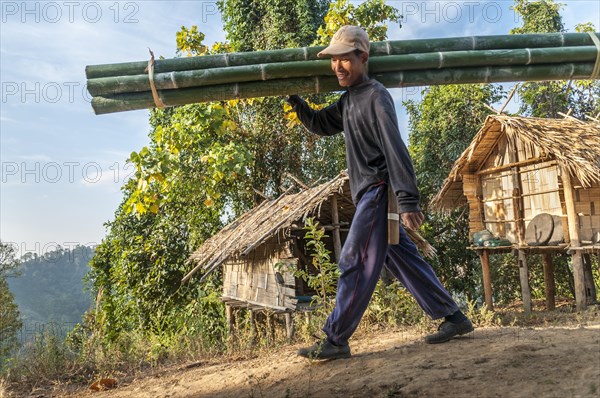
x=538 y=184
x=498 y=206
x=496 y=191
x=587 y=207
x=540 y=190
x=252 y=279
x=541 y=193
x=472 y=191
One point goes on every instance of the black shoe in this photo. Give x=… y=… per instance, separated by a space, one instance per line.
x=325 y=350
x=448 y=330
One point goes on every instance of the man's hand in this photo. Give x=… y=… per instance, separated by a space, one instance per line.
x=293 y=99
x=412 y=220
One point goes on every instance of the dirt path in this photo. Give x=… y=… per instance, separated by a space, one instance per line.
x=493 y=362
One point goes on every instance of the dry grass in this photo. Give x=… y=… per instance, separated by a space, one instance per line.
x=101 y=361
x=3 y=389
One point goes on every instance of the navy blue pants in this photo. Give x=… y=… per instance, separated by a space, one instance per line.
x=362 y=258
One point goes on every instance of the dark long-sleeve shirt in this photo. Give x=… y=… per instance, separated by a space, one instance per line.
x=375 y=151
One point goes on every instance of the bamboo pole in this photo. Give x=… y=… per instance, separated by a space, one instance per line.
x=396 y=47
x=391 y=63
x=519 y=226
x=143 y=100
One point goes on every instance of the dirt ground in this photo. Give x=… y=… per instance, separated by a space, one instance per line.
x=560 y=357
x=558 y=361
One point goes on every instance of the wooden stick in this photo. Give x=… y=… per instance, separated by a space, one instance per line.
x=509 y=98
x=297 y=181
x=514 y=164
x=393 y=218
x=335 y=219
x=491 y=109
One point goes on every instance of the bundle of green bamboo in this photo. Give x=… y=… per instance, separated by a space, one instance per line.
x=402 y=63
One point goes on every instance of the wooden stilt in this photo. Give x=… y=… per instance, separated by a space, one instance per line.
x=573 y=220
x=549 y=281
x=270 y=328
x=524 y=277
x=579 y=281
x=230 y=320
x=519 y=225
x=289 y=325
x=487 y=278
x=253 y=328
x=590 y=287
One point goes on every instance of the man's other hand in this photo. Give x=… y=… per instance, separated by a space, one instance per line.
x=412 y=220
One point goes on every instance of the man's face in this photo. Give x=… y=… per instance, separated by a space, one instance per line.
x=349 y=68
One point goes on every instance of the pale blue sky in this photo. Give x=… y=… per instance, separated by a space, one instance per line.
x=62 y=166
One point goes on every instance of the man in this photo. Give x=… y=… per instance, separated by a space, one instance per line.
x=377 y=160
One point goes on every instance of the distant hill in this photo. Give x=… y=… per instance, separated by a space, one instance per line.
x=50 y=288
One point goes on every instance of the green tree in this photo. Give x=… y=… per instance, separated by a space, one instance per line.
x=184 y=181
x=50 y=287
x=10 y=318
x=8 y=260
x=538 y=16
x=198 y=171
x=547 y=99
x=267 y=24
x=442 y=125
x=278 y=147
x=371 y=15
x=585 y=94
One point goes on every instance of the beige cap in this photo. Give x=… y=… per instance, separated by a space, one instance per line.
x=347 y=39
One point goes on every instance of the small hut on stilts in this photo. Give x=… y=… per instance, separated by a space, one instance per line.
x=534 y=184
x=259 y=251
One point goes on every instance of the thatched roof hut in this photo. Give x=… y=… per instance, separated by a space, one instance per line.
x=260 y=251
x=273 y=219
x=574 y=144
x=533 y=185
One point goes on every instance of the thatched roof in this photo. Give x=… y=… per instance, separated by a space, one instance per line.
x=575 y=145
x=269 y=219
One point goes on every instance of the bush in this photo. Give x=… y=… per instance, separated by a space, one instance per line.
x=392 y=305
